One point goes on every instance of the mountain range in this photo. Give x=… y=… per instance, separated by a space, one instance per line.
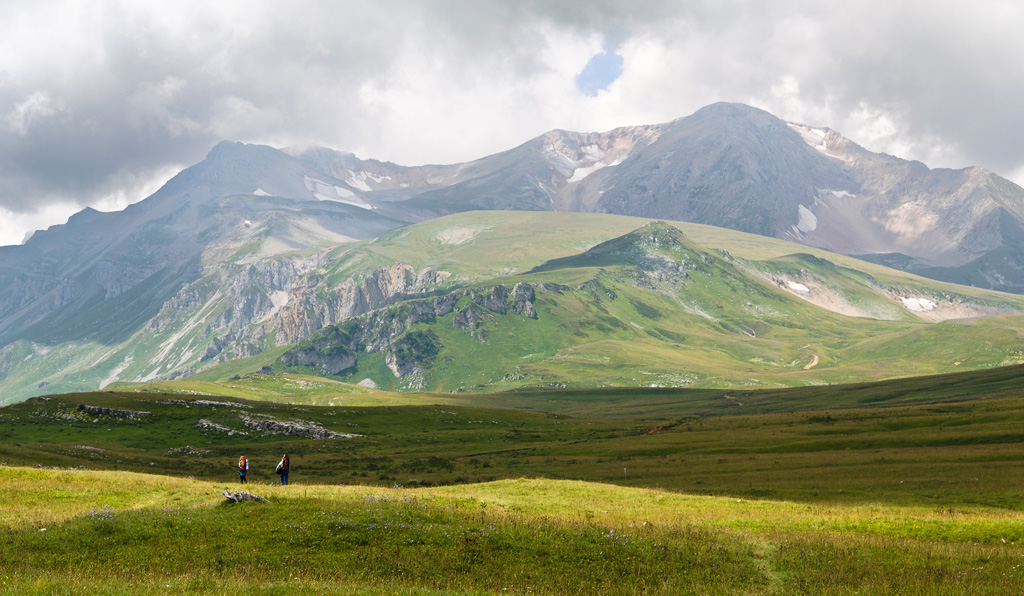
x=254 y=249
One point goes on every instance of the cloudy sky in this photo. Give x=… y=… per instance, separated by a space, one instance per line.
x=101 y=101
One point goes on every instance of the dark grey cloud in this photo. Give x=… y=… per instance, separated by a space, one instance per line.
x=99 y=100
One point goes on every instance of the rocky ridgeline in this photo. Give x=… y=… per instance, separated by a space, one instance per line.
x=663 y=256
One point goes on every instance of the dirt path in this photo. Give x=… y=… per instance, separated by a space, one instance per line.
x=812 y=363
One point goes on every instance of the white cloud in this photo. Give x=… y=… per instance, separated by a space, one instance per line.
x=92 y=89
x=158 y=105
x=36 y=107
x=237 y=118
x=15 y=226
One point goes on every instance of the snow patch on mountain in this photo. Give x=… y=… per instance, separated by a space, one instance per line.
x=581 y=173
x=818 y=138
x=917 y=304
x=259 y=192
x=279 y=300
x=359 y=180
x=799 y=288
x=807 y=221
x=330 y=192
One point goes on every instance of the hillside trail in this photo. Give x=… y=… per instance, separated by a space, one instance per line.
x=812 y=363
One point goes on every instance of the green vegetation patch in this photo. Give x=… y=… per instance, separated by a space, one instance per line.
x=511 y=537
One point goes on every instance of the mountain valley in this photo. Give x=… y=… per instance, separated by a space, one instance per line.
x=316 y=261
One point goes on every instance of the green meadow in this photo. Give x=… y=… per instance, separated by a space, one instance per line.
x=910 y=486
x=126 y=533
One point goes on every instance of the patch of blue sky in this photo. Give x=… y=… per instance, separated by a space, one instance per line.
x=602 y=70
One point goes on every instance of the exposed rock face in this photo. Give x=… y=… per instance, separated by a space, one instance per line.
x=311 y=309
x=522 y=300
x=331 y=363
x=256 y=293
x=412 y=352
x=383 y=329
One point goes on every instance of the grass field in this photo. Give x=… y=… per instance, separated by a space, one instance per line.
x=124 y=533
x=910 y=486
x=947 y=440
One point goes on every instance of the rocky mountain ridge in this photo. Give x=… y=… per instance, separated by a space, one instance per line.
x=226 y=259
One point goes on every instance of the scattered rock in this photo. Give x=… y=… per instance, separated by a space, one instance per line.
x=240 y=496
x=298 y=428
x=206 y=403
x=204 y=424
x=98 y=411
x=188 y=450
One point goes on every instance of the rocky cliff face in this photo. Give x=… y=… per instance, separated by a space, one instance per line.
x=311 y=306
x=386 y=329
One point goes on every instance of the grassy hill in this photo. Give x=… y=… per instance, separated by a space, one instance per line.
x=652 y=307
x=615 y=303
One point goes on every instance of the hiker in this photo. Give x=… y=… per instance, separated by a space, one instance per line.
x=282 y=469
x=243 y=467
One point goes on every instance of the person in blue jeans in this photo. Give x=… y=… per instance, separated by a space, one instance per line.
x=282 y=469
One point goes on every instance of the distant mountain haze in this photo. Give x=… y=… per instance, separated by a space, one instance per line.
x=213 y=265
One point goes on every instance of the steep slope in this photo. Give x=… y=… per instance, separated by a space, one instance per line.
x=115 y=293
x=727 y=165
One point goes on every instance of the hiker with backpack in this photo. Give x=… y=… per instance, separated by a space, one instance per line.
x=282 y=469
x=243 y=467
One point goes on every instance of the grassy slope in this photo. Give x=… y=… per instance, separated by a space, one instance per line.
x=909 y=486
x=722 y=326
x=498 y=247
x=129 y=534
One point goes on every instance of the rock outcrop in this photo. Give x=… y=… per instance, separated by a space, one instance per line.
x=295 y=428
x=100 y=411
x=336 y=347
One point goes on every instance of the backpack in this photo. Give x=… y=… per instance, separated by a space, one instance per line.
x=242 y=464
